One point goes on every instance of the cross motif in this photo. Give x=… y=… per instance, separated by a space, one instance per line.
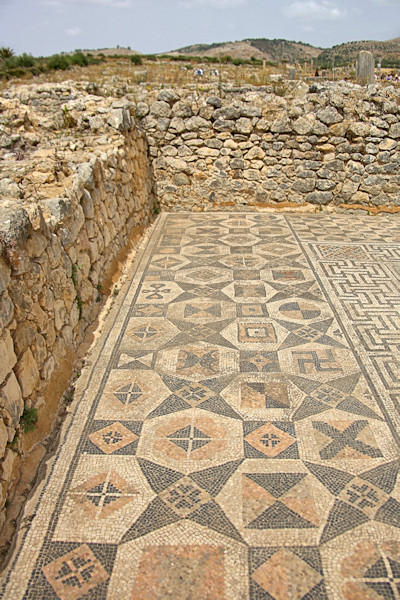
x=270 y=440
x=362 y=495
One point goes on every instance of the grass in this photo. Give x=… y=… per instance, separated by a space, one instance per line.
x=29 y=419
x=128 y=71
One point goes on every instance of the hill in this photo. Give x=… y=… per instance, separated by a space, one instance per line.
x=277 y=50
x=272 y=50
x=347 y=53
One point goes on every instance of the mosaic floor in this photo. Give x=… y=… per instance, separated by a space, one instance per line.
x=237 y=434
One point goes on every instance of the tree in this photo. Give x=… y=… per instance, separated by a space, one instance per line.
x=6 y=52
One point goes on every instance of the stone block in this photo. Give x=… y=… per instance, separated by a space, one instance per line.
x=394 y=131
x=8 y=357
x=196 y=123
x=329 y=115
x=27 y=373
x=365 y=68
x=6 y=310
x=3 y=438
x=360 y=198
x=15 y=230
x=304 y=125
x=207 y=152
x=227 y=113
x=244 y=126
x=5 y=275
x=214 y=101
x=160 y=109
x=319 y=197
x=249 y=110
x=11 y=399
x=304 y=185
x=23 y=336
x=120 y=119
x=8 y=465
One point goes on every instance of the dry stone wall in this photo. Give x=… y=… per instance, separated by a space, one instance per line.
x=324 y=144
x=76 y=189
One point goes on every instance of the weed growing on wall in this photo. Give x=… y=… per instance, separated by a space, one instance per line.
x=29 y=419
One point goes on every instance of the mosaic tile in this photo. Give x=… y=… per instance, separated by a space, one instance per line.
x=345 y=439
x=199 y=361
x=237 y=436
x=286 y=574
x=372 y=571
x=75 y=574
x=149 y=333
x=269 y=440
x=190 y=439
x=180 y=568
x=113 y=438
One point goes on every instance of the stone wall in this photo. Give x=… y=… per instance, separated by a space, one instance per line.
x=333 y=144
x=57 y=254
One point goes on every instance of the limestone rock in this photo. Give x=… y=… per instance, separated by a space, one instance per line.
x=8 y=357
x=11 y=399
x=168 y=95
x=182 y=110
x=27 y=373
x=304 y=125
x=319 y=197
x=394 y=131
x=120 y=119
x=329 y=115
x=214 y=101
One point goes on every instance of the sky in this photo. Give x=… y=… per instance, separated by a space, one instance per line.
x=45 y=27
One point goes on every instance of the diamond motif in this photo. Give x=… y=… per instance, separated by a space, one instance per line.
x=285 y=576
x=75 y=574
x=112 y=438
x=271 y=440
x=128 y=394
x=189 y=438
x=102 y=495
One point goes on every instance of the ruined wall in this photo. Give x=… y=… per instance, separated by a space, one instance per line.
x=224 y=147
x=56 y=258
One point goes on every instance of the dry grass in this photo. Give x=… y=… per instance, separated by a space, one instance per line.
x=122 y=74
x=121 y=71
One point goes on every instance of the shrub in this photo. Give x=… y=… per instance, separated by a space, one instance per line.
x=58 y=61
x=79 y=59
x=25 y=60
x=136 y=59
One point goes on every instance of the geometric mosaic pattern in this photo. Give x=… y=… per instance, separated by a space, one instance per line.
x=237 y=432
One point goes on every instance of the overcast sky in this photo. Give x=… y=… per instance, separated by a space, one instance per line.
x=44 y=27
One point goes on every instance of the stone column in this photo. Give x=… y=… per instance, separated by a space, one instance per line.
x=292 y=74
x=365 y=68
